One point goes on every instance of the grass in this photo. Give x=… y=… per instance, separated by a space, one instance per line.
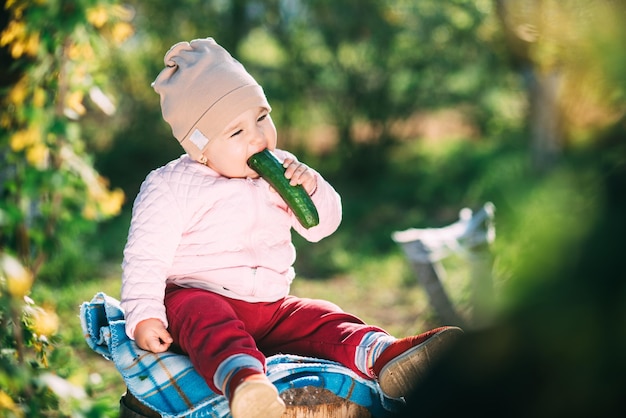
x=382 y=292
x=378 y=291
x=72 y=358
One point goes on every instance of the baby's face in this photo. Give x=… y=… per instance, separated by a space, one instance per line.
x=250 y=132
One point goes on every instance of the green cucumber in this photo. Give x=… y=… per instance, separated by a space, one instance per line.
x=298 y=200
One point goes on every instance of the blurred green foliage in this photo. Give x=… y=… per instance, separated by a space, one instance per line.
x=349 y=83
x=53 y=56
x=556 y=350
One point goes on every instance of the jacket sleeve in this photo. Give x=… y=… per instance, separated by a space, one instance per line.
x=328 y=204
x=154 y=235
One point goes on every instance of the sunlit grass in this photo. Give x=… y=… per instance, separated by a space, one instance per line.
x=72 y=358
x=377 y=291
x=381 y=291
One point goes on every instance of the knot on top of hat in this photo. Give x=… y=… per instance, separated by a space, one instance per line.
x=202 y=87
x=187 y=53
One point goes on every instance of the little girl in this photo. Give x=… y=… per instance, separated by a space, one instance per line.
x=208 y=262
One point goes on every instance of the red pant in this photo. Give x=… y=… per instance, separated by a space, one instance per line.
x=209 y=328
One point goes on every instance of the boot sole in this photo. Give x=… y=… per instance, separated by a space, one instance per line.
x=403 y=374
x=256 y=400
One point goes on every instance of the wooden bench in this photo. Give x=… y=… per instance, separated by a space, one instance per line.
x=470 y=236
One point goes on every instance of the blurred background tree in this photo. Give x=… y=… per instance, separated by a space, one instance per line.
x=555 y=46
x=53 y=73
x=556 y=350
x=350 y=83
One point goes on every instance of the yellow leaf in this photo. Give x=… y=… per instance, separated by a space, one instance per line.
x=37 y=155
x=32 y=45
x=17 y=49
x=7 y=404
x=39 y=97
x=14 y=30
x=18 y=93
x=19 y=280
x=45 y=322
x=89 y=212
x=74 y=101
x=80 y=52
x=122 y=31
x=111 y=204
x=25 y=138
x=97 y=16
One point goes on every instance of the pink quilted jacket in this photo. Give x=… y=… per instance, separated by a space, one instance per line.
x=194 y=228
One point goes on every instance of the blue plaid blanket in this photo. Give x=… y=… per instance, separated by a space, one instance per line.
x=168 y=384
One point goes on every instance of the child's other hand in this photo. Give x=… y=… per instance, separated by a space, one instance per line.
x=299 y=173
x=151 y=335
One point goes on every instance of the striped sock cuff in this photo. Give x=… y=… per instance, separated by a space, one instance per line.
x=227 y=369
x=372 y=344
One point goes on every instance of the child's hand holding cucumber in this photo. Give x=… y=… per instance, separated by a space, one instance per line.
x=292 y=180
x=299 y=173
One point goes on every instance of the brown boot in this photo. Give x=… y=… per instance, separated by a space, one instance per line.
x=405 y=362
x=254 y=396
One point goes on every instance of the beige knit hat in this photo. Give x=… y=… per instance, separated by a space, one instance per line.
x=202 y=89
